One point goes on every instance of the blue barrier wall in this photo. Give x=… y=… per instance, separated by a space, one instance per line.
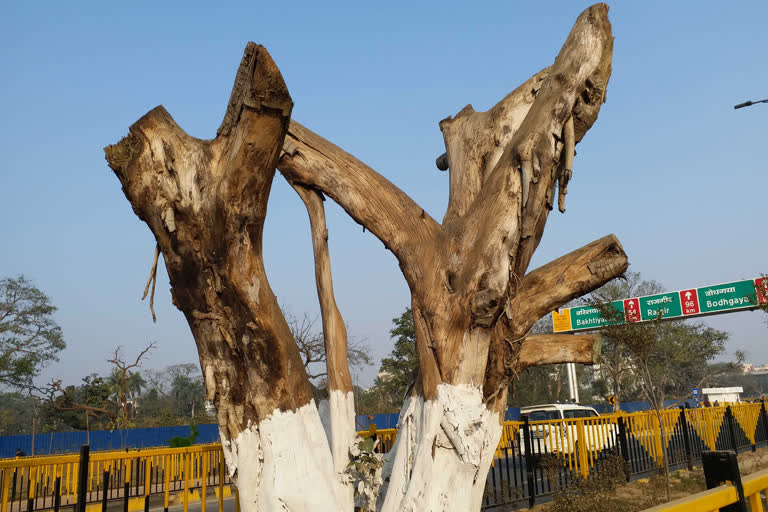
x=362 y=421
x=70 y=442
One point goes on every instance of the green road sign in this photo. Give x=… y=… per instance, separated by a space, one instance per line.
x=707 y=300
x=664 y=305
x=721 y=297
x=587 y=317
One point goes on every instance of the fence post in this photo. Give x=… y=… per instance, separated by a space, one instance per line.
x=529 y=462
x=105 y=491
x=731 y=428
x=721 y=467
x=624 y=447
x=82 y=478
x=686 y=438
x=57 y=494
x=765 y=418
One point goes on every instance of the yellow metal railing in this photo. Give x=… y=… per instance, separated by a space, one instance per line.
x=47 y=483
x=712 y=500
x=43 y=483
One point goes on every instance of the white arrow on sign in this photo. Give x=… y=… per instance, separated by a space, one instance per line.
x=687 y=295
x=632 y=304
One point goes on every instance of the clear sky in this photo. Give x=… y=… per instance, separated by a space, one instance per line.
x=669 y=167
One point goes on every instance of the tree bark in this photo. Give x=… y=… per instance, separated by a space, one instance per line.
x=472 y=299
x=543 y=349
x=205 y=202
x=338 y=412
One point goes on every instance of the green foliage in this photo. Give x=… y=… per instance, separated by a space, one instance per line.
x=539 y=385
x=364 y=468
x=16 y=413
x=95 y=393
x=651 y=360
x=29 y=336
x=726 y=375
x=616 y=377
x=398 y=371
x=179 y=442
x=176 y=393
x=666 y=359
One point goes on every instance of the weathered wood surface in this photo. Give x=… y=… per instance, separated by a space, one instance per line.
x=472 y=296
x=544 y=349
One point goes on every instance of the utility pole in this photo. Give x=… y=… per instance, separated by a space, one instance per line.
x=573 y=383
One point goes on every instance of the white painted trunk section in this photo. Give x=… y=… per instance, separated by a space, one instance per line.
x=284 y=464
x=442 y=454
x=342 y=434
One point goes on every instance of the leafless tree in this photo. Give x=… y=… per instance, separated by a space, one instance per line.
x=311 y=343
x=472 y=296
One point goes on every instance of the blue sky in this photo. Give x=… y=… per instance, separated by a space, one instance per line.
x=669 y=167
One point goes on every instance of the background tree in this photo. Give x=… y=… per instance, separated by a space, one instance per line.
x=667 y=358
x=729 y=375
x=16 y=413
x=91 y=405
x=311 y=343
x=105 y=402
x=541 y=384
x=615 y=374
x=398 y=371
x=126 y=380
x=29 y=336
x=174 y=395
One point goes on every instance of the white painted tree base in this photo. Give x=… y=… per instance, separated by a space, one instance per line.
x=442 y=454
x=283 y=464
x=338 y=417
x=439 y=461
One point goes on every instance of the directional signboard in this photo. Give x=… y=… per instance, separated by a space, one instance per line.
x=707 y=300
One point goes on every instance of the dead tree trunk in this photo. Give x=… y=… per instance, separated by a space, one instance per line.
x=205 y=202
x=472 y=301
x=472 y=298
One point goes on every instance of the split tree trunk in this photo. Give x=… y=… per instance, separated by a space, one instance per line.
x=205 y=202
x=472 y=298
x=472 y=301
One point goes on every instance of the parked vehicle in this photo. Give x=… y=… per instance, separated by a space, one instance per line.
x=558 y=429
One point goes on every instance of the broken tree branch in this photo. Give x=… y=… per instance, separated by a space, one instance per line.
x=369 y=198
x=341 y=402
x=566 y=278
x=334 y=331
x=541 y=349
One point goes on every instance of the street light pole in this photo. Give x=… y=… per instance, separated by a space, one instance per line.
x=750 y=103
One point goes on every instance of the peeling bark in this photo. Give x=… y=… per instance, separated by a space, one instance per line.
x=543 y=349
x=472 y=296
x=205 y=202
x=341 y=401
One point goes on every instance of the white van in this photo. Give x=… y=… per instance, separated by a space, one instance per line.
x=558 y=432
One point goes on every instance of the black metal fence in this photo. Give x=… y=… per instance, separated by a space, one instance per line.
x=537 y=458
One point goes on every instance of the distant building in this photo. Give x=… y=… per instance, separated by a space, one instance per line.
x=723 y=395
